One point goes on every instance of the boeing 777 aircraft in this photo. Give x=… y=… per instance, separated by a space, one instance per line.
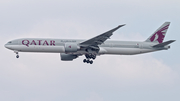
x=70 y=49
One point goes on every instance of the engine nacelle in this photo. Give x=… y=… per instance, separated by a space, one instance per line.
x=67 y=57
x=102 y=51
x=71 y=47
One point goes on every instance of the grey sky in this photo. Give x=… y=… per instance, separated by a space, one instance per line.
x=43 y=77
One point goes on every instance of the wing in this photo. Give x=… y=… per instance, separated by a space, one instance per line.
x=98 y=40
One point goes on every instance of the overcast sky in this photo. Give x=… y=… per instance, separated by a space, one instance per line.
x=43 y=77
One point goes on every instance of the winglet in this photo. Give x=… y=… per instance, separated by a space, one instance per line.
x=116 y=28
x=122 y=25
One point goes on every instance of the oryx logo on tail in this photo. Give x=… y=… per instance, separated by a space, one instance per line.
x=159 y=34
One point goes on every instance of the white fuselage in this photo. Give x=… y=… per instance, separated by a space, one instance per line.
x=58 y=46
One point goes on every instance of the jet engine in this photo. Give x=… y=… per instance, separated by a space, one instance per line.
x=67 y=57
x=71 y=47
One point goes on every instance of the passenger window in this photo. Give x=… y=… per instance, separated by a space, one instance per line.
x=9 y=42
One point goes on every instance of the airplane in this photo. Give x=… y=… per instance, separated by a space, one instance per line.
x=71 y=49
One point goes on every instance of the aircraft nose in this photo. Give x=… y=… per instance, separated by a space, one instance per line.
x=7 y=46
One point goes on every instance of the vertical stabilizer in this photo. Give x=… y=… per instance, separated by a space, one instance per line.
x=159 y=34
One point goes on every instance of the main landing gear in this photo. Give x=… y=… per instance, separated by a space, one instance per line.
x=88 y=57
x=88 y=61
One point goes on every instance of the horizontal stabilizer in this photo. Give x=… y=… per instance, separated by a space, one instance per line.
x=164 y=43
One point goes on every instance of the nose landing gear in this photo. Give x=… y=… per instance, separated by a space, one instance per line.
x=17 y=55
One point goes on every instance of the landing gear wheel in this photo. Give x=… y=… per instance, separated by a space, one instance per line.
x=87 y=61
x=91 y=62
x=84 y=60
x=17 y=56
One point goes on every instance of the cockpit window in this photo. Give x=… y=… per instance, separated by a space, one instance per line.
x=9 y=42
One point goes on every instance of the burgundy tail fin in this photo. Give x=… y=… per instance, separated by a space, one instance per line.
x=159 y=34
